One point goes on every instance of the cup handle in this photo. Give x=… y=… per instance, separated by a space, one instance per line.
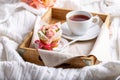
x=95 y=19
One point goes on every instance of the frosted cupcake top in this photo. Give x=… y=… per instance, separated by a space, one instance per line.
x=49 y=30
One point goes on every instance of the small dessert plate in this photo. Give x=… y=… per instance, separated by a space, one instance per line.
x=92 y=33
x=61 y=44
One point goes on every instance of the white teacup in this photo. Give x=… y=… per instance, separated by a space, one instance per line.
x=80 y=21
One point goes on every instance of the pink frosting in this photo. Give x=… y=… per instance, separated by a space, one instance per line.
x=49 y=30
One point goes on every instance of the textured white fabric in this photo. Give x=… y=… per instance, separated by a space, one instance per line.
x=27 y=71
x=8 y=1
x=13 y=30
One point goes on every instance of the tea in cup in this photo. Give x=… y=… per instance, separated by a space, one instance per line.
x=80 y=21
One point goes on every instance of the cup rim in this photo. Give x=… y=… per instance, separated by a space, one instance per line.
x=81 y=11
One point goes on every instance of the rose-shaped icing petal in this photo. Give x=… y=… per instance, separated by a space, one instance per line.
x=50 y=33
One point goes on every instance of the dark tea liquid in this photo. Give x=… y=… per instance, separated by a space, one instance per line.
x=79 y=17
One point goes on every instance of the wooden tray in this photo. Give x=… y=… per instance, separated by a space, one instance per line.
x=52 y=16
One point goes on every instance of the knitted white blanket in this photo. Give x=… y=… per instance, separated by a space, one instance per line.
x=20 y=21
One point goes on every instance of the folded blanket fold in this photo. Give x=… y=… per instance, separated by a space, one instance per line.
x=101 y=48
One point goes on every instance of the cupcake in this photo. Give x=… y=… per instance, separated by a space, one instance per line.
x=49 y=36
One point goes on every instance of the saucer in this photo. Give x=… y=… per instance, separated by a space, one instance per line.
x=92 y=33
x=61 y=44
